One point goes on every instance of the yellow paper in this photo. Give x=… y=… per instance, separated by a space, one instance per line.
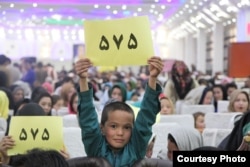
x=136 y=110
x=116 y=42
x=30 y=132
x=106 y=68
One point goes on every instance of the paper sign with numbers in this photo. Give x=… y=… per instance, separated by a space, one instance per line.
x=126 y=41
x=30 y=132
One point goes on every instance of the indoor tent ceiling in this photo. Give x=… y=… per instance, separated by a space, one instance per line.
x=40 y=13
x=204 y=14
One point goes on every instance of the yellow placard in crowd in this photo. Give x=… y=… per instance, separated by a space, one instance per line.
x=126 y=41
x=30 y=132
x=106 y=68
x=137 y=109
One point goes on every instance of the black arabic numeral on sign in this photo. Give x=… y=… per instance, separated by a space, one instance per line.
x=33 y=133
x=23 y=135
x=104 y=44
x=118 y=42
x=45 y=135
x=132 y=43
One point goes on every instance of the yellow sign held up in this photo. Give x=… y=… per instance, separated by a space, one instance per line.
x=36 y=132
x=117 y=42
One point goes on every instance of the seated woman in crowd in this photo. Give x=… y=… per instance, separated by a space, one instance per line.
x=218 y=94
x=201 y=95
x=18 y=93
x=183 y=139
x=238 y=139
x=239 y=101
x=45 y=101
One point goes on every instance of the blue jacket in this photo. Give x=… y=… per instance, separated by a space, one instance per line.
x=95 y=143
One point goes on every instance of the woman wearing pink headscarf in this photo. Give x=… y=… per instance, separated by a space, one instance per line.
x=48 y=87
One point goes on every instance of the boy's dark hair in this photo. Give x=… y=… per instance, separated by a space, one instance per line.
x=88 y=162
x=40 y=158
x=113 y=106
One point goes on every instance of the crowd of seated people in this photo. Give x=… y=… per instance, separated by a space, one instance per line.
x=38 y=90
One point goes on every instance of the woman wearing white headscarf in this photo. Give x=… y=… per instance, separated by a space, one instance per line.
x=183 y=139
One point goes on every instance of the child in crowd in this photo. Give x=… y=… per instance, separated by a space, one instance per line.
x=167 y=106
x=57 y=104
x=118 y=139
x=199 y=121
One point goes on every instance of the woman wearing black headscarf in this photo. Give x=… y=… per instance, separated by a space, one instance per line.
x=235 y=140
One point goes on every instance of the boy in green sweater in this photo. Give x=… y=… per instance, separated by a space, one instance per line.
x=119 y=138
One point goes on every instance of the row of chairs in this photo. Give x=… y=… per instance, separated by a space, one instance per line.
x=210 y=136
x=212 y=120
x=182 y=108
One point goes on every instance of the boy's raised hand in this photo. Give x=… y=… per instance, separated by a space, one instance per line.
x=82 y=66
x=155 y=66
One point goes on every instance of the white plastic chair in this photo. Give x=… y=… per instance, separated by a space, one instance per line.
x=73 y=141
x=70 y=121
x=178 y=106
x=161 y=131
x=214 y=136
x=190 y=109
x=185 y=120
x=222 y=106
x=63 y=111
x=220 y=120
